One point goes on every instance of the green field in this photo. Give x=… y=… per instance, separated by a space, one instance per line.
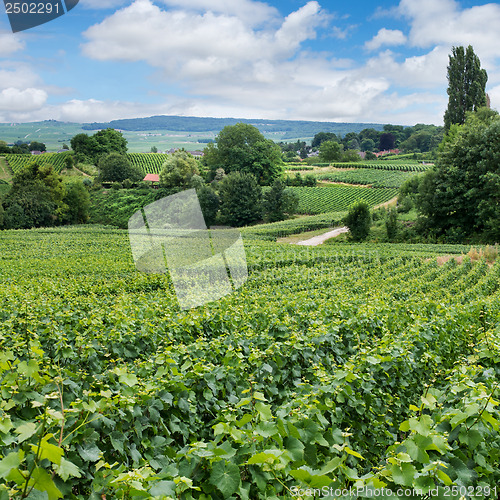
x=341 y=366
x=337 y=198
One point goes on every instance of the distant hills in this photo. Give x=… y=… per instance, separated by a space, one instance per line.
x=290 y=128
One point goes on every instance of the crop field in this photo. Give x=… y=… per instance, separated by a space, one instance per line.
x=19 y=161
x=149 y=163
x=318 y=200
x=336 y=367
x=381 y=165
x=365 y=176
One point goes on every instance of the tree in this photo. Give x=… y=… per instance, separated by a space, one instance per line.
x=240 y=196
x=69 y=161
x=367 y=145
x=4 y=148
x=387 y=141
x=37 y=146
x=460 y=196
x=321 y=137
x=466 y=85
x=391 y=224
x=330 y=151
x=209 y=203
x=36 y=198
x=178 y=170
x=243 y=148
x=90 y=149
x=359 y=220
x=279 y=202
x=78 y=201
x=116 y=167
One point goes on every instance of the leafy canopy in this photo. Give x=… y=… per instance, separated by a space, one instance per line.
x=466 y=85
x=178 y=170
x=243 y=148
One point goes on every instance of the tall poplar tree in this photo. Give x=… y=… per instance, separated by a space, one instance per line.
x=466 y=85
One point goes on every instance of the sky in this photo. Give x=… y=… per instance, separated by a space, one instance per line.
x=320 y=60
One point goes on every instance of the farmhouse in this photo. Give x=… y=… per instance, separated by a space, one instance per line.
x=153 y=178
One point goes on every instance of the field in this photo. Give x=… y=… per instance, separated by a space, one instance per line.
x=348 y=365
x=18 y=161
x=335 y=198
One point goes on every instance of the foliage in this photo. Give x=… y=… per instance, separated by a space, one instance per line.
x=39 y=197
x=240 y=196
x=358 y=220
x=321 y=137
x=279 y=202
x=460 y=197
x=387 y=141
x=178 y=170
x=116 y=167
x=244 y=149
x=355 y=366
x=391 y=224
x=466 y=85
x=90 y=149
x=37 y=146
x=77 y=199
x=209 y=203
x=19 y=161
x=330 y=151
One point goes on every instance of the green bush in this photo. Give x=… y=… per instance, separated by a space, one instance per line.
x=359 y=220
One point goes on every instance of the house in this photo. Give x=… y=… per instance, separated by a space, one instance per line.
x=153 y=178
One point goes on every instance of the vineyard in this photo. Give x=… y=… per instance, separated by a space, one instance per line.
x=19 y=161
x=318 y=200
x=345 y=366
x=365 y=176
x=379 y=165
x=149 y=163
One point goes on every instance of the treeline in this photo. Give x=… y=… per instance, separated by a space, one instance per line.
x=458 y=200
x=292 y=128
x=38 y=197
x=419 y=138
x=22 y=147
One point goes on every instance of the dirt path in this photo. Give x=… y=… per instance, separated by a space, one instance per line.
x=321 y=238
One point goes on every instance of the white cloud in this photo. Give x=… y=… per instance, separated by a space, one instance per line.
x=251 y=12
x=426 y=71
x=18 y=76
x=12 y=99
x=386 y=37
x=186 y=44
x=443 y=23
x=10 y=43
x=102 y=4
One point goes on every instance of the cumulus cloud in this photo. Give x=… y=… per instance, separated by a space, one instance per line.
x=102 y=4
x=12 y=99
x=386 y=37
x=10 y=43
x=252 y=13
x=178 y=41
x=443 y=23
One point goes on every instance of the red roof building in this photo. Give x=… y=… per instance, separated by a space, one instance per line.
x=152 y=178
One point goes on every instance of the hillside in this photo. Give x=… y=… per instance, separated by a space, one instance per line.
x=165 y=132
x=290 y=128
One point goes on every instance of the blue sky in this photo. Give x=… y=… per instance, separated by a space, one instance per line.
x=357 y=61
